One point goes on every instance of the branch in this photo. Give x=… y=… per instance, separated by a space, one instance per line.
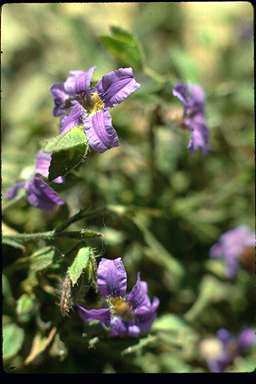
x=81 y=235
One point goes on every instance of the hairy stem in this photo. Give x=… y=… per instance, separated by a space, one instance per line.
x=82 y=214
x=83 y=234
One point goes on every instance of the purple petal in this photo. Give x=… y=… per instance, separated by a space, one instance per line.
x=118 y=327
x=102 y=314
x=181 y=91
x=111 y=277
x=144 y=316
x=99 y=131
x=216 y=251
x=139 y=294
x=231 y=265
x=43 y=160
x=191 y=96
x=116 y=86
x=144 y=313
x=60 y=97
x=232 y=244
x=224 y=336
x=247 y=339
x=215 y=366
x=59 y=180
x=246 y=236
x=40 y=195
x=74 y=117
x=12 y=191
x=196 y=93
x=134 y=330
x=199 y=133
x=78 y=81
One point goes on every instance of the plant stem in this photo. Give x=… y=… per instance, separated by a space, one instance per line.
x=152 y=152
x=83 y=234
x=82 y=214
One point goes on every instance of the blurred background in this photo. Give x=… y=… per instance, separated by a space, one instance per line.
x=166 y=207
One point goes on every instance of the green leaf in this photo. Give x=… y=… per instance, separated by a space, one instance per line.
x=64 y=161
x=25 y=304
x=42 y=258
x=92 y=270
x=79 y=264
x=6 y=289
x=13 y=243
x=13 y=337
x=173 y=330
x=68 y=151
x=211 y=291
x=68 y=140
x=148 y=340
x=171 y=323
x=124 y=47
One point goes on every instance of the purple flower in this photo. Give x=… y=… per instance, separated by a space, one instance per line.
x=126 y=314
x=192 y=98
x=79 y=104
x=247 y=338
x=230 y=347
x=231 y=246
x=43 y=160
x=38 y=192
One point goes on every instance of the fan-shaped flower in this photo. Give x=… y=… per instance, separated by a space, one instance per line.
x=125 y=314
x=231 y=246
x=228 y=347
x=77 y=103
x=192 y=98
x=38 y=192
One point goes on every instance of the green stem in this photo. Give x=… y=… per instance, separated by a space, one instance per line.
x=154 y=120
x=83 y=234
x=82 y=214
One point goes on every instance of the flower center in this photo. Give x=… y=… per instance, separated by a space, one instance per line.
x=120 y=307
x=247 y=257
x=211 y=348
x=94 y=103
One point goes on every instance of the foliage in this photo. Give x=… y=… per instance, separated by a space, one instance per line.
x=148 y=201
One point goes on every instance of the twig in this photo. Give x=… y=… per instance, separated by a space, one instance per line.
x=81 y=235
x=82 y=214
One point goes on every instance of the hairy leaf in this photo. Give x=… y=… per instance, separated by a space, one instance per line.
x=62 y=142
x=13 y=337
x=42 y=258
x=124 y=47
x=64 y=161
x=79 y=264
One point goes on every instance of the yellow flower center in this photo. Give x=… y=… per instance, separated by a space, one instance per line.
x=120 y=307
x=95 y=103
x=210 y=348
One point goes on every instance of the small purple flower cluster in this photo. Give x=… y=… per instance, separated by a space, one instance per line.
x=38 y=192
x=124 y=314
x=77 y=103
x=193 y=99
x=229 y=347
x=231 y=246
